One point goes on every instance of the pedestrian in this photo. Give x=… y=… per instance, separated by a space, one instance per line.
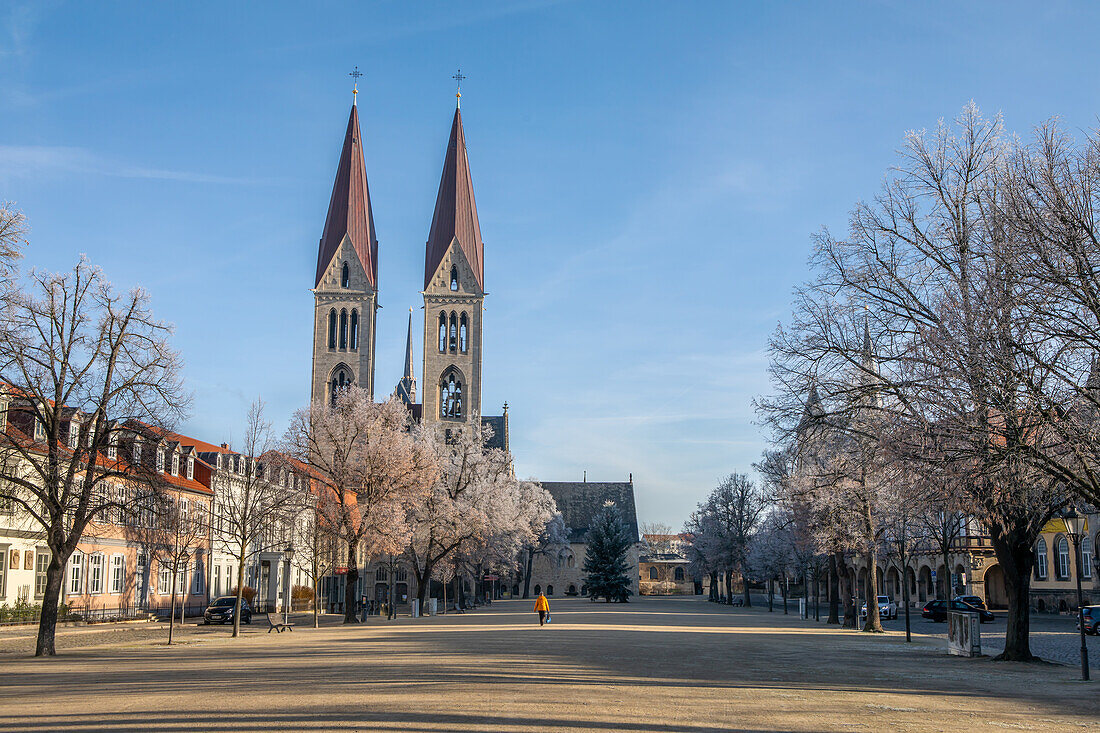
x=542 y=607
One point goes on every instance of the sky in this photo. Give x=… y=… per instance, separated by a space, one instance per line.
x=648 y=178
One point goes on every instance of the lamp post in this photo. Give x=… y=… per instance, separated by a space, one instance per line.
x=289 y=553
x=1075 y=528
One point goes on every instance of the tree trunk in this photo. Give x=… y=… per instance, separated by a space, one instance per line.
x=905 y=597
x=240 y=596
x=817 y=593
x=528 y=564
x=350 y=584
x=784 y=589
x=729 y=587
x=1016 y=561
x=833 y=581
x=444 y=611
x=316 y=601
x=423 y=583
x=771 y=596
x=714 y=586
x=873 y=623
x=851 y=620
x=745 y=591
x=172 y=607
x=47 y=621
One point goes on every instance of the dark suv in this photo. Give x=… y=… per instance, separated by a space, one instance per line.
x=220 y=611
x=1092 y=620
x=937 y=610
x=975 y=601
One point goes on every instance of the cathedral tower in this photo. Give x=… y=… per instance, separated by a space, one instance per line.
x=346 y=287
x=454 y=294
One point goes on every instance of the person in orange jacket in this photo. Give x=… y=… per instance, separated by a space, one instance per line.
x=542 y=607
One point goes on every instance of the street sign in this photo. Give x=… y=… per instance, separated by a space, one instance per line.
x=341 y=570
x=492 y=577
x=933 y=576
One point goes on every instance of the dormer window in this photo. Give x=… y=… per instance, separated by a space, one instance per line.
x=175 y=464
x=454 y=278
x=160 y=459
x=190 y=468
x=112 y=446
x=74 y=434
x=345 y=276
x=137 y=452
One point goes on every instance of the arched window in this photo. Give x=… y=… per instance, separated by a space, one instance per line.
x=1041 y=559
x=343 y=329
x=332 y=329
x=453 y=342
x=450 y=396
x=442 y=333
x=462 y=329
x=570 y=561
x=454 y=278
x=538 y=589
x=340 y=379
x=1062 y=550
x=652 y=573
x=1086 y=557
x=549 y=590
x=354 y=329
x=345 y=276
x=679 y=575
x=380 y=573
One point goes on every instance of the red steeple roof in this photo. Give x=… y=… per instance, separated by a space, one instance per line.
x=455 y=212
x=349 y=209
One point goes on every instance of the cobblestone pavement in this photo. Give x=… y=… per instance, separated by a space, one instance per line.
x=671 y=665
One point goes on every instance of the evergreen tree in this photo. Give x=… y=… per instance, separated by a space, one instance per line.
x=605 y=565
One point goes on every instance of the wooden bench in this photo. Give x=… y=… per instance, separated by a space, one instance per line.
x=278 y=627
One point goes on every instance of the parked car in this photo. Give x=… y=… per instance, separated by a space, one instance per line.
x=1092 y=620
x=886 y=608
x=220 y=611
x=975 y=601
x=937 y=610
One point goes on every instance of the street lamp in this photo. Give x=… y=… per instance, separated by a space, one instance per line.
x=1075 y=528
x=289 y=552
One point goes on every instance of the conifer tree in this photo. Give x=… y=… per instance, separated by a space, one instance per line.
x=605 y=565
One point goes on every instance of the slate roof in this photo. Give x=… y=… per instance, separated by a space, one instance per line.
x=580 y=501
x=349 y=210
x=455 y=214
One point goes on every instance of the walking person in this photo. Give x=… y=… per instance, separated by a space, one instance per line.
x=542 y=607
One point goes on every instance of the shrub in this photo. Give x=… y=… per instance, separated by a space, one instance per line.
x=249 y=594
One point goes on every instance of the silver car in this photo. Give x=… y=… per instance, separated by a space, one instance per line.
x=886 y=608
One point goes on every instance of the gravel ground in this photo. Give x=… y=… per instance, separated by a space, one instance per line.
x=676 y=665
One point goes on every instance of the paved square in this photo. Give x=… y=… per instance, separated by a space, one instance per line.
x=673 y=665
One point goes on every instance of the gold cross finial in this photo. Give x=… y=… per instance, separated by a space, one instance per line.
x=355 y=74
x=458 y=93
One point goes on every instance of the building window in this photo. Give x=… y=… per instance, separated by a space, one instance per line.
x=118 y=573
x=190 y=467
x=74 y=433
x=549 y=590
x=112 y=446
x=343 y=329
x=76 y=573
x=354 y=329
x=679 y=575
x=340 y=380
x=462 y=331
x=1062 y=555
x=39 y=430
x=570 y=561
x=164 y=580
x=442 y=333
x=160 y=460
x=380 y=573
x=652 y=573
x=217 y=580
x=137 y=452
x=41 y=563
x=175 y=464
x=452 y=342
x=345 y=276
x=332 y=329
x=1041 y=559
x=454 y=278
x=401 y=574
x=450 y=396
x=1086 y=557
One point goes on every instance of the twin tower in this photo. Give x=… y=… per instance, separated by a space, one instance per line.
x=346 y=290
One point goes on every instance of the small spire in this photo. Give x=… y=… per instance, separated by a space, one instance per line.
x=355 y=74
x=458 y=92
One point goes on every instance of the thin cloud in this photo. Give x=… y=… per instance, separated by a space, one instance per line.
x=20 y=161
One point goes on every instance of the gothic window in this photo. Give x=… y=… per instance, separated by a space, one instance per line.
x=442 y=333
x=454 y=278
x=462 y=331
x=679 y=575
x=380 y=573
x=450 y=396
x=332 y=329
x=340 y=380
x=343 y=329
x=345 y=276
x=1041 y=559
x=354 y=329
x=652 y=573
x=453 y=342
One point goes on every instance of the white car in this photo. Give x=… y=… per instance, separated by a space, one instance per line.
x=886 y=608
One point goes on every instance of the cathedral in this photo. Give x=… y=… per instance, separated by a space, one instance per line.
x=346 y=293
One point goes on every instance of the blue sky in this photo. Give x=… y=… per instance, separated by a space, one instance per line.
x=647 y=177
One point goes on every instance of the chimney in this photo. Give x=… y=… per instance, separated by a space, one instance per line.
x=585 y=477
x=631 y=479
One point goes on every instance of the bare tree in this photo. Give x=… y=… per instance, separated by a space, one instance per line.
x=13 y=237
x=553 y=536
x=253 y=505
x=367 y=463
x=724 y=525
x=316 y=545
x=81 y=363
